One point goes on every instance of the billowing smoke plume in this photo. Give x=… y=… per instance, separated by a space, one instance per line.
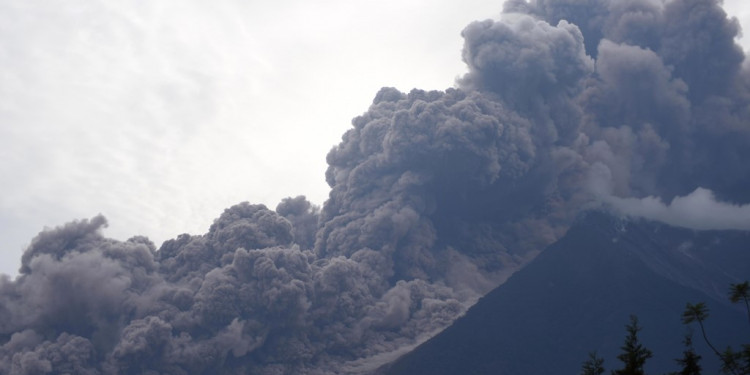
x=435 y=198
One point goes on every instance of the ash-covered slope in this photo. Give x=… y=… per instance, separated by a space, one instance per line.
x=577 y=295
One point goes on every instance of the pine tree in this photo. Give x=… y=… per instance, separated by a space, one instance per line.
x=634 y=354
x=690 y=361
x=593 y=366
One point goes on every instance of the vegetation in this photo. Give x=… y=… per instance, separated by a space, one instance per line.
x=698 y=313
x=690 y=361
x=739 y=292
x=593 y=366
x=634 y=355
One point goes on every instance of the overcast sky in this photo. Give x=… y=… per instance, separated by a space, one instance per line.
x=160 y=114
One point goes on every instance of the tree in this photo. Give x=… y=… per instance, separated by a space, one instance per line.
x=737 y=362
x=740 y=292
x=593 y=366
x=730 y=360
x=634 y=354
x=698 y=313
x=690 y=361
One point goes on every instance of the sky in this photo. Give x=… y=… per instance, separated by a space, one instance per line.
x=160 y=114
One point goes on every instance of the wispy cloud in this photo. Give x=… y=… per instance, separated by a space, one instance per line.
x=697 y=210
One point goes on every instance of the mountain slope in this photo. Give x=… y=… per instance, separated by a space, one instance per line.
x=577 y=296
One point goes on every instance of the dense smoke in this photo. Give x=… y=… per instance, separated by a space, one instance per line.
x=436 y=197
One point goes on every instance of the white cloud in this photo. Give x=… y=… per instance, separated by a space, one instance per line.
x=697 y=210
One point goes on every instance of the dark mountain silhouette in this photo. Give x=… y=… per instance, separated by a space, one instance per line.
x=577 y=295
